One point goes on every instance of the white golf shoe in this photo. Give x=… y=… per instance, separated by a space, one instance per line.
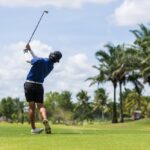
x=36 y=131
x=47 y=127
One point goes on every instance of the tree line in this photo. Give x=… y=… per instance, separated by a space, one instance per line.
x=118 y=64
x=62 y=109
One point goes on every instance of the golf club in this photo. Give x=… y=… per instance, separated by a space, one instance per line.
x=45 y=11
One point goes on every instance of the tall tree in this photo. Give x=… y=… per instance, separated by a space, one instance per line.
x=100 y=102
x=127 y=61
x=108 y=64
x=8 y=107
x=142 y=42
x=120 y=73
x=65 y=101
x=59 y=106
x=83 y=109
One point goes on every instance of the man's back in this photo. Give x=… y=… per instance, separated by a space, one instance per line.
x=41 y=67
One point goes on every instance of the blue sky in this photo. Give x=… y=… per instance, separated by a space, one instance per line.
x=78 y=28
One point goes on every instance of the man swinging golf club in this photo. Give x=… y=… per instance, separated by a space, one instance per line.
x=34 y=91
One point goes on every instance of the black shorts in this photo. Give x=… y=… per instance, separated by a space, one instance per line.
x=34 y=92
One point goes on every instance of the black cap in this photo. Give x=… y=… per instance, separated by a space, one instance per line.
x=55 y=56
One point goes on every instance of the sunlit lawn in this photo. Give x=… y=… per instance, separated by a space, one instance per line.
x=133 y=135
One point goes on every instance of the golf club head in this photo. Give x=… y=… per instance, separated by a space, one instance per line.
x=45 y=11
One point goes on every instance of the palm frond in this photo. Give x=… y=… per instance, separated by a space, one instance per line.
x=102 y=55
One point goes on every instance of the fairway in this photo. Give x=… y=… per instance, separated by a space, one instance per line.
x=100 y=136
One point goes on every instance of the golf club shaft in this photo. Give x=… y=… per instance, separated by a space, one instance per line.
x=37 y=26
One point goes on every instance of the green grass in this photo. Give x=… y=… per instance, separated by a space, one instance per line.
x=99 y=136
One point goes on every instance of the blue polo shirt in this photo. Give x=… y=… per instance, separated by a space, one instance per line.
x=41 y=67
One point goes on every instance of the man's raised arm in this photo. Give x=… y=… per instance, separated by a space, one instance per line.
x=29 y=54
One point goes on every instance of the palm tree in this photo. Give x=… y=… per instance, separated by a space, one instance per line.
x=115 y=65
x=83 y=109
x=120 y=73
x=143 y=42
x=127 y=61
x=100 y=101
x=108 y=63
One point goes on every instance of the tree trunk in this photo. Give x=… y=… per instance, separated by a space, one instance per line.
x=121 y=103
x=102 y=114
x=114 y=119
x=139 y=102
x=22 y=116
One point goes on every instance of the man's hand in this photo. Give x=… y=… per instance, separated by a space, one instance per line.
x=28 y=48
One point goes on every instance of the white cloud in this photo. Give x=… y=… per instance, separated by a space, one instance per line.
x=70 y=74
x=132 y=12
x=13 y=68
x=56 y=3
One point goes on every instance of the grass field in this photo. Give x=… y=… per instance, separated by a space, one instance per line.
x=99 y=136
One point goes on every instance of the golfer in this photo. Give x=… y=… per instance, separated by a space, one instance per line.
x=33 y=87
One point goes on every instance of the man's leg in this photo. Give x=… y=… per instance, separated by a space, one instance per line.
x=32 y=114
x=32 y=119
x=43 y=114
x=42 y=111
